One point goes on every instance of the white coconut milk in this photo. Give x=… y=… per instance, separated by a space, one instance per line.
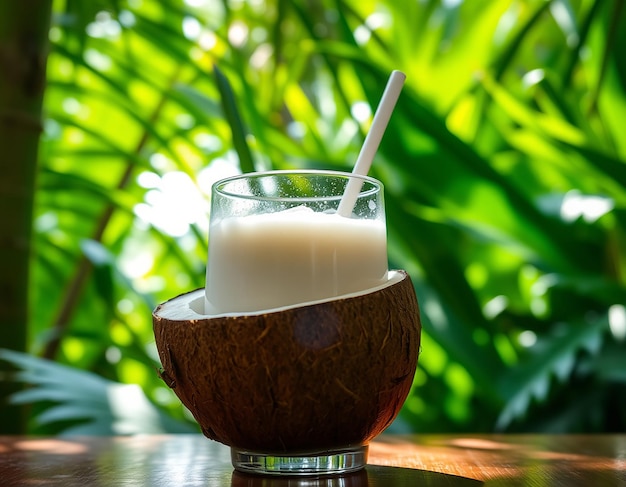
x=279 y=259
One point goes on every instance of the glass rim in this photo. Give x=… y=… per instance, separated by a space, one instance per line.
x=217 y=187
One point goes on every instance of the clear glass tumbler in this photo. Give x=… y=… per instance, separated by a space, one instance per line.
x=303 y=345
x=275 y=240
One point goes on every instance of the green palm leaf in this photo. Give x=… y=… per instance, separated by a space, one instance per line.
x=92 y=404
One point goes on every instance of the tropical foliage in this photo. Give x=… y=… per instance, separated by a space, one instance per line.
x=504 y=166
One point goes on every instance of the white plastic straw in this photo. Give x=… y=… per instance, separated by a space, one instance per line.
x=372 y=141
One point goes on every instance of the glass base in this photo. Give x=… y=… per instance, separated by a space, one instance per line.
x=310 y=463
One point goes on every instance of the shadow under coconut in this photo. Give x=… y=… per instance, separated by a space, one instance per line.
x=370 y=476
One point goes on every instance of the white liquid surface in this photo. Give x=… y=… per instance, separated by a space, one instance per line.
x=267 y=261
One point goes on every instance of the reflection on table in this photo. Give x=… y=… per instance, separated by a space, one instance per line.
x=432 y=460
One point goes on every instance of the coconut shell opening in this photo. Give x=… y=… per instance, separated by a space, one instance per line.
x=191 y=306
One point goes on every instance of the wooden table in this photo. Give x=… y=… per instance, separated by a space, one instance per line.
x=430 y=460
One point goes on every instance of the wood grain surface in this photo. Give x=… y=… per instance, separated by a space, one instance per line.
x=190 y=460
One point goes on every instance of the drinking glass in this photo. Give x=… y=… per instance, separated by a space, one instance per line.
x=303 y=345
x=275 y=240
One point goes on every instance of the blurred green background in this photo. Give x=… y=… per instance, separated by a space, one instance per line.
x=504 y=166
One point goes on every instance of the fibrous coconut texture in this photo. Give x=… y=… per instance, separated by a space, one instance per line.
x=320 y=376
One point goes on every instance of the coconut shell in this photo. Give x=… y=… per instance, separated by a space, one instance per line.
x=313 y=377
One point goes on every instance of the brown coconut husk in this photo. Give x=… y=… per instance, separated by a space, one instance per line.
x=322 y=375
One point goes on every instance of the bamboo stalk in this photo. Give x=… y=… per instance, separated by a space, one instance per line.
x=23 y=53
